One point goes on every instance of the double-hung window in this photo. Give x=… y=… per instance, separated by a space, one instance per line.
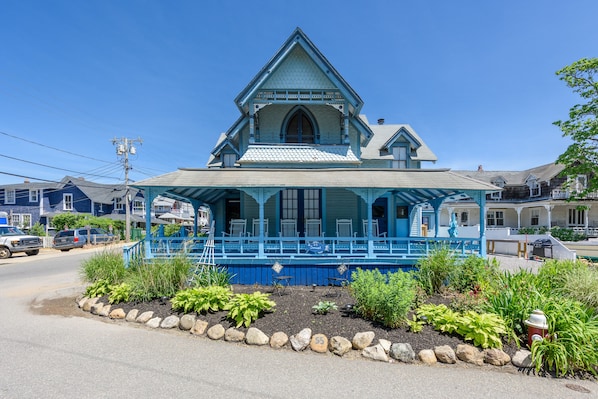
x=10 y=196
x=399 y=155
x=33 y=195
x=67 y=202
x=495 y=218
x=535 y=217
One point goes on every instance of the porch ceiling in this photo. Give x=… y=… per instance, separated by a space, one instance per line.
x=412 y=185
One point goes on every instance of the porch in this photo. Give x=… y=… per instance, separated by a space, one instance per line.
x=307 y=260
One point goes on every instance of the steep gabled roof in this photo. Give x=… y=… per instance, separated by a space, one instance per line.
x=385 y=135
x=298 y=38
x=97 y=192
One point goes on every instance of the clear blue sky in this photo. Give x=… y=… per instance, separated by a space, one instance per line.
x=476 y=79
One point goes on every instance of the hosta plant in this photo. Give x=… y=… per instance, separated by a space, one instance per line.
x=244 y=309
x=120 y=293
x=99 y=288
x=202 y=299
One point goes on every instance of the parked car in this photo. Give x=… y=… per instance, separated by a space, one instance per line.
x=77 y=238
x=13 y=240
x=66 y=240
x=97 y=236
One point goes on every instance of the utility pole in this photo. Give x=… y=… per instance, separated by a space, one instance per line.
x=124 y=147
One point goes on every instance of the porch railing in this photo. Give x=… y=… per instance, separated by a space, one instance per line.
x=290 y=247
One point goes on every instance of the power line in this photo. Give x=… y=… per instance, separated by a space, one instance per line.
x=52 y=148
x=54 y=167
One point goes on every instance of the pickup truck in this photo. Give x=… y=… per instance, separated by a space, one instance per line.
x=13 y=240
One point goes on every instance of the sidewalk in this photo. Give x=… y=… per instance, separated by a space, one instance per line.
x=514 y=264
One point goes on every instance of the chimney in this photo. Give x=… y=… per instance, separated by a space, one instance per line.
x=381 y=121
x=480 y=169
x=27 y=181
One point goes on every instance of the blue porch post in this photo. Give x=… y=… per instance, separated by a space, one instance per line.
x=436 y=205
x=150 y=195
x=369 y=196
x=261 y=195
x=196 y=205
x=480 y=198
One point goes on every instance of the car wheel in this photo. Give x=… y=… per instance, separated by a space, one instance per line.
x=32 y=253
x=5 y=253
x=65 y=250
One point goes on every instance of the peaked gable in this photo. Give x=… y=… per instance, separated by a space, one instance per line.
x=299 y=39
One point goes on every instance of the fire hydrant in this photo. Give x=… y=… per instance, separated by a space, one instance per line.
x=537 y=327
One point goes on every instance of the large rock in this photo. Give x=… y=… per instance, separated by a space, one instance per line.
x=496 y=357
x=362 y=340
x=386 y=344
x=255 y=336
x=427 y=356
x=154 y=322
x=445 y=354
x=278 y=340
x=96 y=308
x=117 y=314
x=402 y=352
x=187 y=321
x=104 y=311
x=319 y=343
x=523 y=358
x=132 y=315
x=199 y=328
x=375 y=352
x=171 y=321
x=89 y=303
x=339 y=345
x=301 y=340
x=469 y=354
x=145 y=316
x=216 y=332
x=81 y=302
x=234 y=335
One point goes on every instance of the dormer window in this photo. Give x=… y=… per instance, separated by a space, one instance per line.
x=497 y=194
x=229 y=160
x=534 y=188
x=577 y=184
x=399 y=155
x=299 y=128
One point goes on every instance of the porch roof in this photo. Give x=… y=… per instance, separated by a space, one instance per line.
x=412 y=185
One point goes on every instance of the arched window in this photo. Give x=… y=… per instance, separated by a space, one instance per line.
x=299 y=128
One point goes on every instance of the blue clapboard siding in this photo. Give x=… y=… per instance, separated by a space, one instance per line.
x=301 y=274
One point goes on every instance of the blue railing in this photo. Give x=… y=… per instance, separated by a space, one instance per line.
x=133 y=252
x=301 y=247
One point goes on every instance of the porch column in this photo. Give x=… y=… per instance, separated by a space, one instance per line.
x=518 y=210
x=549 y=211
x=150 y=194
x=587 y=218
x=436 y=204
x=369 y=196
x=196 y=205
x=480 y=198
x=261 y=195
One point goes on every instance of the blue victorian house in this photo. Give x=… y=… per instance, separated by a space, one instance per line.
x=303 y=180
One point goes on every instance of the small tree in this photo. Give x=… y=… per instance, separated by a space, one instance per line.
x=581 y=157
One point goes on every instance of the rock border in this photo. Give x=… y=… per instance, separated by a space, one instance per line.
x=361 y=344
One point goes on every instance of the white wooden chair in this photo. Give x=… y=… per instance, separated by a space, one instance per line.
x=255 y=229
x=288 y=228
x=375 y=229
x=344 y=228
x=237 y=229
x=313 y=228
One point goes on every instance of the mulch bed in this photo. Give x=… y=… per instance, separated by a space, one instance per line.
x=293 y=312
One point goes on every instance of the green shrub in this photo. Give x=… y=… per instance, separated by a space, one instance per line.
x=159 y=278
x=473 y=274
x=571 y=343
x=434 y=270
x=485 y=329
x=246 y=308
x=207 y=275
x=202 y=299
x=384 y=298
x=37 y=230
x=105 y=265
x=565 y=234
x=98 y=288
x=120 y=293
x=580 y=284
x=323 y=307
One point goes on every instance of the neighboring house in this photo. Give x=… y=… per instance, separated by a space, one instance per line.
x=535 y=198
x=29 y=203
x=301 y=155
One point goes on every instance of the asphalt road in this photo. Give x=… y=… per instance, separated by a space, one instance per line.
x=54 y=356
